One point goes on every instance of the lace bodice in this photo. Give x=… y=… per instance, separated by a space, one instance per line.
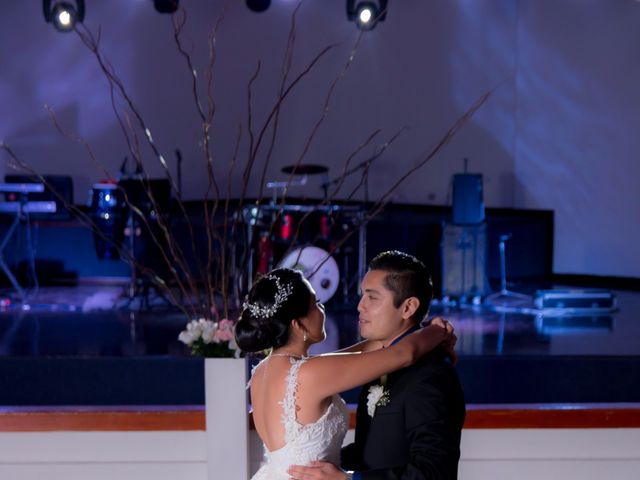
x=320 y=440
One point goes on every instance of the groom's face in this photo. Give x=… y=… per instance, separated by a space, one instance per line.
x=379 y=319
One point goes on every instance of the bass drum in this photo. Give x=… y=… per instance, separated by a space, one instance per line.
x=318 y=267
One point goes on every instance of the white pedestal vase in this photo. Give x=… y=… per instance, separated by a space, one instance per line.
x=227 y=419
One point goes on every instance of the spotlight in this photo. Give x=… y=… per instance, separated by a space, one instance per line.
x=366 y=14
x=63 y=15
x=166 y=6
x=258 y=5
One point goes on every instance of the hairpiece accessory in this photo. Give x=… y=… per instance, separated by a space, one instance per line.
x=282 y=293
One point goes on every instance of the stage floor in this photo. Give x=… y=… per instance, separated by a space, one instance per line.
x=87 y=345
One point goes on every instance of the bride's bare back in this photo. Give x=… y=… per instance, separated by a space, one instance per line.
x=268 y=388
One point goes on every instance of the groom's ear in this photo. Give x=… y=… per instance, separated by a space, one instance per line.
x=410 y=306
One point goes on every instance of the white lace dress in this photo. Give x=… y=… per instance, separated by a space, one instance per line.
x=320 y=440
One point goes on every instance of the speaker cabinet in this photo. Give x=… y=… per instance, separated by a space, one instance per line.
x=468 y=205
x=464 y=253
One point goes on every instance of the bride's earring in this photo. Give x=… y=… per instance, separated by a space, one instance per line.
x=305 y=337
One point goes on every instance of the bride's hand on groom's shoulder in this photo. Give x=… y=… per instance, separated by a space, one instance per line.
x=317 y=471
x=450 y=338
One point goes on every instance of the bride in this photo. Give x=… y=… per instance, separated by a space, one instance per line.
x=297 y=411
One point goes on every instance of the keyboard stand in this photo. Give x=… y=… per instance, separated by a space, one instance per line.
x=21 y=213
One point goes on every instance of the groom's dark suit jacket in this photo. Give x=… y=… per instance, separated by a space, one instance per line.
x=417 y=435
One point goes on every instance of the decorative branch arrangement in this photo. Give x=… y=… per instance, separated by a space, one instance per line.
x=211 y=284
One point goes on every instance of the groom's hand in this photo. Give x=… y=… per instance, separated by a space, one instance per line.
x=317 y=471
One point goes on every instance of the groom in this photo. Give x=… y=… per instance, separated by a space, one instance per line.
x=416 y=433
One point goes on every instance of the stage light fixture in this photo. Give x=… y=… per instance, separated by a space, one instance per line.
x=63 y=15
x=258 y=5
x=166 y=6
x=366 y=14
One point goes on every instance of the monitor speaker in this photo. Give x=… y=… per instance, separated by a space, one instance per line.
x=468 y=205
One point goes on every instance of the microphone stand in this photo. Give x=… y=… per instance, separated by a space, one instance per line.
x=179 y=173
x=362 y=234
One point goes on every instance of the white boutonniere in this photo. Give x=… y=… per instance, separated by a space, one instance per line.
x=378 y=396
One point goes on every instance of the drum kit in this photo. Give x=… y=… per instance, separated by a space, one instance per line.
x=306 y=237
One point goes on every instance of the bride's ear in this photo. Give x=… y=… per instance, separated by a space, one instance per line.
x=298 y=330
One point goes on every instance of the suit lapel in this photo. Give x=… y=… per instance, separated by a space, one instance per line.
x=363 y=420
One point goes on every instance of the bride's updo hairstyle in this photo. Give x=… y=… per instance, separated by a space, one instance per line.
x=272 y=303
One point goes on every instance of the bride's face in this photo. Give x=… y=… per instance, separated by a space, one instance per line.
x=314 y=320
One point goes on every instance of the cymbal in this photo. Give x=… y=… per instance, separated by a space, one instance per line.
x=308 y=169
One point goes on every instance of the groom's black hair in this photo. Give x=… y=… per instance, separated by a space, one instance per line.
x=406 y=277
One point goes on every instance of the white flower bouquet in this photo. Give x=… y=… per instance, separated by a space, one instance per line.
x=208 y=338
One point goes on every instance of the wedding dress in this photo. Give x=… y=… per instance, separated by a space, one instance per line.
x=320 y=440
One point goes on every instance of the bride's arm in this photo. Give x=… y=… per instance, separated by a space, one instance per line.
x=363 y=346
x=337 y=372
x=371 y=345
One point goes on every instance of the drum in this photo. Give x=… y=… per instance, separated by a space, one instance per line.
x=108 y=213
x=305 y=224
x=286 y=227
x=324 y=226
x=265 y=253
x=318 y=267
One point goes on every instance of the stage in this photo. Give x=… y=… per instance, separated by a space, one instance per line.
x=88 y=345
